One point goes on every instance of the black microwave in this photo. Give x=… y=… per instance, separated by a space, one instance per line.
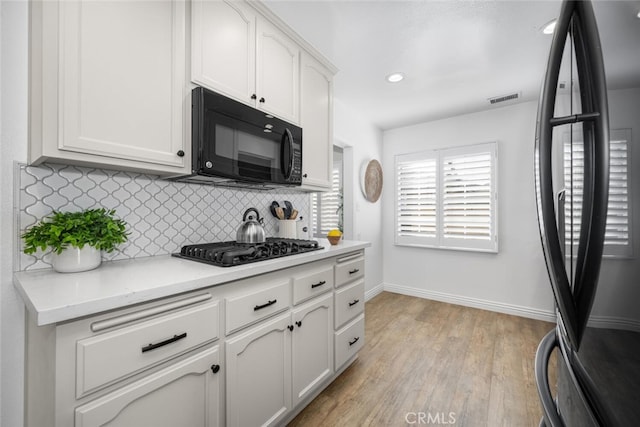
x=237 y=145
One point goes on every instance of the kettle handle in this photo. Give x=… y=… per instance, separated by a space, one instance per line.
x=244 y=217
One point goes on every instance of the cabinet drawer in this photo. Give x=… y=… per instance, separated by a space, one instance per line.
x=114 y=355
x=350 y=269
x=183 y=394
x=312 y=284
x=349 y=340
x=245 y=309
x=349 y=302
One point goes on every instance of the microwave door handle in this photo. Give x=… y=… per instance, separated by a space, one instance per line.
x=287 y=138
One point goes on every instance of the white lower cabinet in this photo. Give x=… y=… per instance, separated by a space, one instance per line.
x=349 y=340
x=251 y=352
x=275 y=365
x=312 y=346
x=183 y=394
x=258 y=373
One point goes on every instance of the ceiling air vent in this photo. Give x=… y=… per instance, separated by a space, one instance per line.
x=504 y=98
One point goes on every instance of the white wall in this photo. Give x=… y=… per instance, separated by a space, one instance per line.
x=515 y=279
x=13 y=147
x=353 y=130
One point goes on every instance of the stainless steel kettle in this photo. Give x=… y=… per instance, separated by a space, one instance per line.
x=251 y=230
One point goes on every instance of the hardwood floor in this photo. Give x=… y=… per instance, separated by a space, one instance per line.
x=429 y=363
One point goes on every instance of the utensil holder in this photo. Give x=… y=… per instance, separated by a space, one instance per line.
x=287 y=229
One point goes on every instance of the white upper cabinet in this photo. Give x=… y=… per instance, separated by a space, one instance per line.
x=237 y=52
x=223 y=46
x=316 y=120
x=278 y=74
x=108 y=84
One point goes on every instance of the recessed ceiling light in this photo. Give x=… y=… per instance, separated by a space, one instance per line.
x=395 y=77
x=549 y=27
x=638 y=15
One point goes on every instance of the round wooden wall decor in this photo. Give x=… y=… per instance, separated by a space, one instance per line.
x=372 y=181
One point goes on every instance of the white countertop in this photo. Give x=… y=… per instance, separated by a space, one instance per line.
x=56 y=297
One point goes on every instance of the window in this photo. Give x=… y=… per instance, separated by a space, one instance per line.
x=448 y=198
x=327 y=206
x=617 y=240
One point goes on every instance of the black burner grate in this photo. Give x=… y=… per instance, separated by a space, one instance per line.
x=227 y=254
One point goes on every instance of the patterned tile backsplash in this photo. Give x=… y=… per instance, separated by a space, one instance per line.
x=162 y=215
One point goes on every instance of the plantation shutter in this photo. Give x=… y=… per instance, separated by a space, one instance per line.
x=469 y=197
x=329 y=204
x=448 y=198
x=617 y=233
x=325 y=207
x=417 y=200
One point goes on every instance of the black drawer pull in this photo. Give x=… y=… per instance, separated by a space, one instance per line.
x=354 y=302
x=215 y=368
x=355 y=270
x=355 y=340
x=163 y=343
x=259 y=307
x=299 y=323
x=320 y=283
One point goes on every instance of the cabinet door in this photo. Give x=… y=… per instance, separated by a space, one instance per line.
x=258 y=374
x=122 y=82
x=223 y=47
x=277 y=72
x=184 y=394
x=312 y=345
x=316 y=119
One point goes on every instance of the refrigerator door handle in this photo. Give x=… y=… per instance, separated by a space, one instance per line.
x=549 y=235
x=576 y=18
x=562 y=197
x=590 y=66
x=543 y=355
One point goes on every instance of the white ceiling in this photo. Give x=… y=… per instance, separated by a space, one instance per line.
x=455 y=54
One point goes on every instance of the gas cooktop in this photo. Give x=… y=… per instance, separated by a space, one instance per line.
x=228 y=254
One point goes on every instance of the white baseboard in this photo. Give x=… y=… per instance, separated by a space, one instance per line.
x=373 y=292
x=516 y=310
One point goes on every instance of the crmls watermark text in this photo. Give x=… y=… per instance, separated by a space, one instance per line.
x=437 y=418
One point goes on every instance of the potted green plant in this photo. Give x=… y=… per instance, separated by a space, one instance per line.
x=76 y=239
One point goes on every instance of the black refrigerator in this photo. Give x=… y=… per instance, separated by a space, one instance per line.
x=587 y=167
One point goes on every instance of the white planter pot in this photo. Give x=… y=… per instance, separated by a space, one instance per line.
x=73 y=260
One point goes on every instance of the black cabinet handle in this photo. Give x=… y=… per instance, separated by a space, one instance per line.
x=180 y=153
x=290 y=327
x=320 y=283
x=299 y=323
x=253 y=96
x=163 y=343
x=354 y=302
x=261 y=100
x=215 y=368
x=355 y=270
x=305 y=175
x=355 y=340
x=259 y=307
